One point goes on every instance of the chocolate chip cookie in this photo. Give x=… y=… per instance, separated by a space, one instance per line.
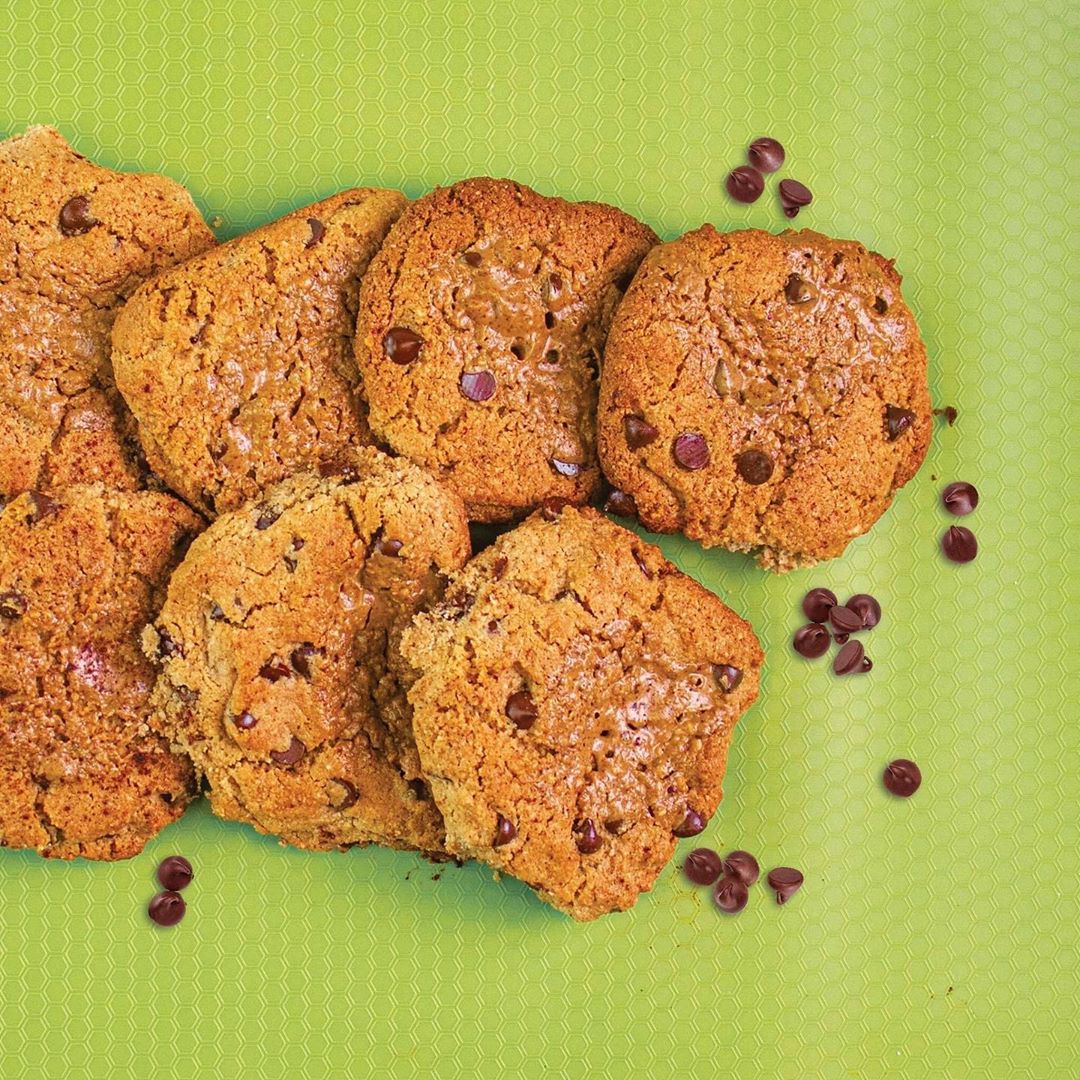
x=575 y=698
x=764 y=392
x=76 y=240
x=278 y=645
x=81 y=572
x=481 y=326
x=238 y=365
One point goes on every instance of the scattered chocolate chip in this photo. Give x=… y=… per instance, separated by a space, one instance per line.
x=812 y=641
x=643 y=566
x=766 y=155
x=552 y=507
x=566 y=468
x=949 y=413
x=41 y=507
x=522 y=710
x=621 y=504
x=741 y=865
x=344 y=471
x=175 y=873
x=745 y=184
x=388 y=547
x=726 y=676
x=301 y=659
x=639 y=432
x=473 y=258
x=351 y=794
x=290 y=563
x=13 y=605
x=75 y=216
x=881 y=305
x=754 y=466
x=897 y=421
x=616 y=826
x=691 y=451
x=167 y=908
x=867 y=608
x=959 y=544
x=504 y=831
x=167 y=647
x=267 y=516
x=691 y=824
x=841 y=639
x=586 y=837
x=702 y=866
x=730 y=895
x=553 y=288
x=817 y=604
x=477 y=385
x=291 y=754
x=794 y=196
x=785 y=881
x=318 y=231
x=274 y=669
x=402 y=345
x=902 y=777
x=790 y=211
x=845 y=620
x=245 y=721
x=498 y=567
x=960 y=498
x=852 y=660
x=800 y=291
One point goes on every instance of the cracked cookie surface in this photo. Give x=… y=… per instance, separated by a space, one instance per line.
x=574 y=700
x=238 y=366
x=764 y=392
x=482 y=322
x=81 y=572
x=278 y=643
x=76 y=240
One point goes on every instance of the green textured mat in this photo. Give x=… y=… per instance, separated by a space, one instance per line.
x=935 y=937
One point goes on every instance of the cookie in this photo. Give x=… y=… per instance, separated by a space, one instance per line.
x=764 y=392
x=482 y=322
x=278 y=642
x=573 y=706
x=76 y=240
x=238 y=365
x=81 y=572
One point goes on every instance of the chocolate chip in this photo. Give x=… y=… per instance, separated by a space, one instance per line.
x=275 y=669
x=741 y=865
x=621 y=504
x=473 y=258
x=552 y=507
x=291 y=754
x=754 y=466
x=691 y=824
x=766 y=155
x=949 y=413
x=841 y=639
x=301 y=659
x=867 y=608
x=522 y=710
x=13 y=604
x=959 y=544
x=402 y=345
x=553 y=288
x=167 y=908
x=498 y=567
x=702 y=866
x=75 y=216
x=727 y=676
x=167 y=647
x=41 y=507
x=351 y=794
x=216 y=613
x=790 y=211
x=845 y=620
x=245 y=721
x=643 y=566
x=817 y=604
x=504 y=831
x=785 y=881
x=794 y=196
x=852 y=660
x=812 y=641
x=318 y=231
x=267 y=516
x=897 y=421
x=902 y=777
x=960 y=498
x=586 y=837
x=691 y=451
x=730 y=895
x=175 y=873
x=639 y=432
x=800 y=291
x=881 y=305
x=745 y=184
x=566 y=468
x=477 y=385
x=390 y=548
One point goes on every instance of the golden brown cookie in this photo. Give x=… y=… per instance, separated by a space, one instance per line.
x=575 y=698
x=76 y=240
x=81 y=572
x=238 y=365
x=764 y=392
x=278 y=641
x=481 y=326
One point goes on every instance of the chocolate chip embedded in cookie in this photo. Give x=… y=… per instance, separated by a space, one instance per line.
x=764 y=392
x=238 y=366
x=280 y=674
x=574 y=701
x=80 y=575
x=482 y=322
x=76 y=240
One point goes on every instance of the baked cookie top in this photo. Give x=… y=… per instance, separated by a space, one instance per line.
x=278 y=644
x=76 y=240
x=482 y=322
x=81 y=572
x=764 y=392
x=238 y=365
x=574 y=702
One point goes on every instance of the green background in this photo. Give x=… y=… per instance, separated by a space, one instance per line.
x=935 y=937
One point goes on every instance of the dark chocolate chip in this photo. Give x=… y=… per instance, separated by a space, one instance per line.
x=766 y=155
x=167 y=647
x=960 y=498
x=754 y=466
x=13 y=604
x=498 y=567
x=388 y=547
x=643 y=566
x=727 y=676
x=800 y=291
x=552 y=507
x=785 y=881
x=691 y=451
x=867 y=608
x=741 y=865
x=41 y=507
x=245 y=721
x=291 y=754
x=730 y=895
x=553 y=288
x=318 y=231
x=702 y=866
x=477 y=385
x=175 y=873
x=216 y=613
x=274 y=669
x=852 y=660
x=897 y=421
x=267 y=516
x=841 y=639
x=745 y=184
x=845 y=620
x=473 y=258
x=817 y=604
x=812 y=640
x=566 y=468
x=504 y=831
x=949 y=413
x=794 y=195
x=691 y=824
x=351 y=794
x=586 y=837
x=301 y=659
x=902 y=777
x=75 y=216
x=167 y=908
x=639 y=432
x=616 y=826
x=522 y=710
x=791 y=211
x=621 y=504
x=881 y=305
x=402 y=345
x=959 y=544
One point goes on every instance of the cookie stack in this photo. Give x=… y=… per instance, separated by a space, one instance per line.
x=254 y=466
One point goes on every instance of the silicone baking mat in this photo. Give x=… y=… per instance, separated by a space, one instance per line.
x=934 y=937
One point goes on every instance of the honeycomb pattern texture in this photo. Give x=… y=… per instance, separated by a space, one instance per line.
x=935 y=937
